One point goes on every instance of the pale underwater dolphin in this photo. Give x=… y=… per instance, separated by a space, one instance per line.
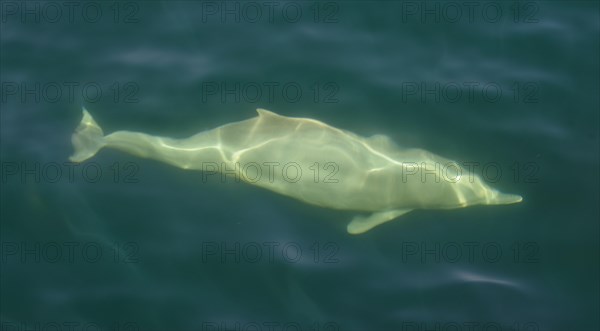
x=364 y=174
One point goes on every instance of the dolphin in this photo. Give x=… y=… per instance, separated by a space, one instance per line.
x=310 y=161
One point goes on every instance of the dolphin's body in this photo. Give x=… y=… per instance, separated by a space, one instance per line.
x=310 y=161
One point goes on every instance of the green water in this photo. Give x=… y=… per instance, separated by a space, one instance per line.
x=123 y=243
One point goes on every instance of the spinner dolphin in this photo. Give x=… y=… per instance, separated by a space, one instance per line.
x=310 y=161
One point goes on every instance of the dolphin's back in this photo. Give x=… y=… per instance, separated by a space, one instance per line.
x=333 y=162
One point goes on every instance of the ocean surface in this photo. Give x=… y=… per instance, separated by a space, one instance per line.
x=510 y=88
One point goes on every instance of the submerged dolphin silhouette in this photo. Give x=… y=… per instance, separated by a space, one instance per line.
x=332 y=168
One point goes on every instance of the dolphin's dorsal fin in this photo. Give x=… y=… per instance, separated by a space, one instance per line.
x=267 y=113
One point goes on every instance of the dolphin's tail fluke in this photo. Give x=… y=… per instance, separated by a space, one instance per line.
x=87 y=139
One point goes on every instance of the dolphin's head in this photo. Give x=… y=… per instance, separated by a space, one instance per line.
x=487 y=195
x=499 y=198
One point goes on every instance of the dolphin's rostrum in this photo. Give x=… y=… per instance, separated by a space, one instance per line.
x=310 y=161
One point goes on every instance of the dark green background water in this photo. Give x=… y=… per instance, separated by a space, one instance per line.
x=147 y=246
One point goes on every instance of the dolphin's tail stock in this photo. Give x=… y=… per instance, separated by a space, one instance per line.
x=87 y=139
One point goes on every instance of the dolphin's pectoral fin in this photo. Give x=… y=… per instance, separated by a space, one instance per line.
x=361 y=224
